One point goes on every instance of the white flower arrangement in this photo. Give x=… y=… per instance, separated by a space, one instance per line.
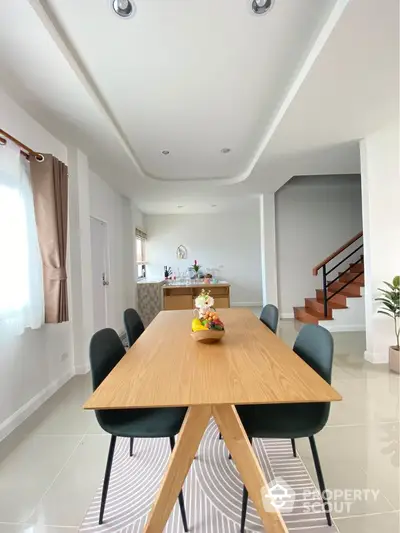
x=204 y=302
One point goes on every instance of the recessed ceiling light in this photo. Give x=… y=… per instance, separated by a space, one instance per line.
x=165 y=152
x=260 y=7
x=225 y=150
x=213 y=205
x=180 y=206
x=124 y=8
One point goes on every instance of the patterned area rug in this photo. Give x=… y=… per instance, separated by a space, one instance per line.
x=212 y=490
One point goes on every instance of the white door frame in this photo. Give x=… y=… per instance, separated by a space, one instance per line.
x=107 y=264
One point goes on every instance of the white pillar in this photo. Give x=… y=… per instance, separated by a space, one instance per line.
x=268 y=249
x=380 y=180
x=80 y=258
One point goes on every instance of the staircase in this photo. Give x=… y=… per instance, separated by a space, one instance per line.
x=345 y=284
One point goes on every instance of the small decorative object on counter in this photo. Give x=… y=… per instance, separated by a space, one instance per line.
x=196 y=268
x=207 y=327
x=167 y=272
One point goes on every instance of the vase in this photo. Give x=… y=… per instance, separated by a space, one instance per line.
x=394 y=359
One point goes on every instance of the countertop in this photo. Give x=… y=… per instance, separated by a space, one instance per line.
x=174 y=284
x=150 y=281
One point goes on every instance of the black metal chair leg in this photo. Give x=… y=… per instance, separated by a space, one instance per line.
x=294 y=447
x=107 y=477
x=180 y=497
x=131 y=447
x=245 y=499
x=244 y=509
x=320 y=477
x=183 y=512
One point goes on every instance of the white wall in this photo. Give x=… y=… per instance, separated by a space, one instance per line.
x=315 y=215
x=229 y=242
x=35 y=364
x=381 y=192
x=269 y=274
x=115 y=210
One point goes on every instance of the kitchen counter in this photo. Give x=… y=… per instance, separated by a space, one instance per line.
x=182 y=295
x=147 y=281
x=195 y=284
x=150 y=299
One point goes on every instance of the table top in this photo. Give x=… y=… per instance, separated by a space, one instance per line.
x=166 y=367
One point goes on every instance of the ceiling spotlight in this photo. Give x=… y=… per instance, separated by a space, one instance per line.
x=165 y=152
x=124 y=8
x=225 y=150
x=260 y=7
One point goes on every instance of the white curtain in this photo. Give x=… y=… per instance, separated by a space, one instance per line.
x=21 y=277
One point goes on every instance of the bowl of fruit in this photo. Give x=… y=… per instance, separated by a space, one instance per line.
x=207 y=327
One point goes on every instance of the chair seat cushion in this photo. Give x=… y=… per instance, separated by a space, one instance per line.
x=284 y=420
x=160 y=422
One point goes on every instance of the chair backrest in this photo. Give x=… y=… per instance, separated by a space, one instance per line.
x=270 y=317
x=314 y=344
x=106 y=350
x=133 y=325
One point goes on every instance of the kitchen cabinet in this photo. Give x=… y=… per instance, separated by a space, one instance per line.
x=183 y=296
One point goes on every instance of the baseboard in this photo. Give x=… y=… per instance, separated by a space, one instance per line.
x=13 y=421
x=82 y=369
x=246 y=304
x=376 y=358
x=287 y=315
x=336 y=328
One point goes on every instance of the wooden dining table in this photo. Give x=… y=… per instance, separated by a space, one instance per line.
x=250 y=365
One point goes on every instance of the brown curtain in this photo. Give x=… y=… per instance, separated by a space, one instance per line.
x=50 y=192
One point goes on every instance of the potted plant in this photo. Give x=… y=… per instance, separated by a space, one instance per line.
x=390 y=301
x=196 y=268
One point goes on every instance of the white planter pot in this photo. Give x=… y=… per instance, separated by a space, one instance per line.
x=394 y=359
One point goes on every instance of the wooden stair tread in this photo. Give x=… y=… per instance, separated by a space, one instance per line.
x=349 y=276
x=350 y=290
x=332 y=305
x=356 y=267
x=312 y=312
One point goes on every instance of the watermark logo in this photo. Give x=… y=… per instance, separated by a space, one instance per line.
x=278 y=496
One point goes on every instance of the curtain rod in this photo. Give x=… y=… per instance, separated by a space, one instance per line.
x=25 y=150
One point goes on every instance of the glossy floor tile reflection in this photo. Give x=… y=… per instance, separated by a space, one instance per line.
x=51 y=466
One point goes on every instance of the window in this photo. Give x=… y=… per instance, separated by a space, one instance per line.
x=141 y=239
x=21 y=276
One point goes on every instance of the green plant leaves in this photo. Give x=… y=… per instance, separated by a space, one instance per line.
x=387 y=313
x=390 y=302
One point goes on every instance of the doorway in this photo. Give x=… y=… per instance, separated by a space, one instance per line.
x=100 y=271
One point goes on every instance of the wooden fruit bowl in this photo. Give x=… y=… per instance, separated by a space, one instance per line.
x=208 y=336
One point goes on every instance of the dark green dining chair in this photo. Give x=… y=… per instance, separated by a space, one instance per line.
x=106 y=350
x=133 y=326
x=270 y=317
x=314 y=344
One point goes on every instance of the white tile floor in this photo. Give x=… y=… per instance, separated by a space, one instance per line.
x=52 y=465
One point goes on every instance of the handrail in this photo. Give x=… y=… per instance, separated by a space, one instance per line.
x=338 y=251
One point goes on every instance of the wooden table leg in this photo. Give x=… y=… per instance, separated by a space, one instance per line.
x=193 y=428
x=247 y=464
